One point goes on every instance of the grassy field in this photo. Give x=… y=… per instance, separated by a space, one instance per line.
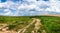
x=50 y=23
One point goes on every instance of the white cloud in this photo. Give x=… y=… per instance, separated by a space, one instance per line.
x=54 y=6
x=37 y=6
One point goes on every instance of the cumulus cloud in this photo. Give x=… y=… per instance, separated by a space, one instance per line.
x=28 y=7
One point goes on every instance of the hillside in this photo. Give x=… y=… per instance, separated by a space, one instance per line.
x=47 y=24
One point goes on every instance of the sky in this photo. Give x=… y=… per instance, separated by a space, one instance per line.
x=29 y=7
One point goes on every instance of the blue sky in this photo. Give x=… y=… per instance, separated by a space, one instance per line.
x=29 y=7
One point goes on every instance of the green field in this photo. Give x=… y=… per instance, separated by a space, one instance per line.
x=50 y=23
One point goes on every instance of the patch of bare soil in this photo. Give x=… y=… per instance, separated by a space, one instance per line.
x=7 y=31
x=4 y=29
x=57 y=15
x=37 y=26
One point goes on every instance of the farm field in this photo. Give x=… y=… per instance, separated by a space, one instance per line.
x=49 y=24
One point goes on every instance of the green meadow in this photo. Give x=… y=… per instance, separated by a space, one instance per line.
x=50 y=23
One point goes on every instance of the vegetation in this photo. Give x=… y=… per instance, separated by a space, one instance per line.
x=50 y=23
